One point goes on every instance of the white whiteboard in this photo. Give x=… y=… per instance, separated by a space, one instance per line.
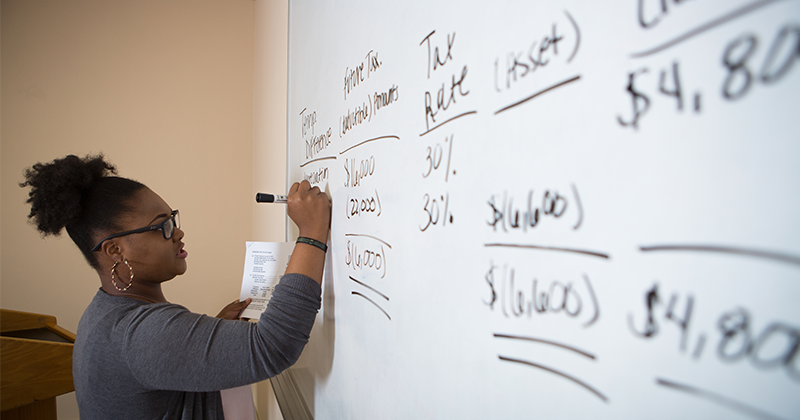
x=607 y=228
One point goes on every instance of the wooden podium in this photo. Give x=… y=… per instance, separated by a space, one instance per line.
x=35 y=365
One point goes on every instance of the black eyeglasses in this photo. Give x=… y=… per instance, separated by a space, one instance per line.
x=167 y=229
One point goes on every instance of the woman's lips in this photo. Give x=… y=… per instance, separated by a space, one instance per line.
x=182 y=253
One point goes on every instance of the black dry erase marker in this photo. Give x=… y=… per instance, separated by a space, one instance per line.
x=270 y=198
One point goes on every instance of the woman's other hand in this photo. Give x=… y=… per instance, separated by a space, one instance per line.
x=233 y=309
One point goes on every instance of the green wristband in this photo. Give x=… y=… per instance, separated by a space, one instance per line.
x=312 y=242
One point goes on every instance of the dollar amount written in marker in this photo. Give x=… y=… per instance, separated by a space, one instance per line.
x=743 y=67
x=774 y=347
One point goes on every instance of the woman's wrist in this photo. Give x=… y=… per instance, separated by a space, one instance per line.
x=312 y=242
x=321 y=236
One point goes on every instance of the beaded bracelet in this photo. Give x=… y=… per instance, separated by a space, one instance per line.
x=312 y=242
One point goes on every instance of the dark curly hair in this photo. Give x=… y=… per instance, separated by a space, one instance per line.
x=78 y=194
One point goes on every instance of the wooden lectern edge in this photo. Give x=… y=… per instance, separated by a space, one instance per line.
x=33 y=372
x=11 y=320
x=69 y=335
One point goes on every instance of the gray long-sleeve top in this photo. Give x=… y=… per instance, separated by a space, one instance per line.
x=139 y=360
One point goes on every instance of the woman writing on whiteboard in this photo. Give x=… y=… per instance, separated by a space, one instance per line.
x=138 y=356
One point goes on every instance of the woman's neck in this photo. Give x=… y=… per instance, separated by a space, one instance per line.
x=142 y=291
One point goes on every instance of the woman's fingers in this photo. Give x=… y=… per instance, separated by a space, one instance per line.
x=310 y=209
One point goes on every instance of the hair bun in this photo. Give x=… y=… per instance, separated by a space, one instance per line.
x=58 y=189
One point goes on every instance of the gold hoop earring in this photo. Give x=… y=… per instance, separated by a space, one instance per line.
x=114 y=273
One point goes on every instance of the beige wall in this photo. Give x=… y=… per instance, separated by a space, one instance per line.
x=269 y=151
x=165 y=89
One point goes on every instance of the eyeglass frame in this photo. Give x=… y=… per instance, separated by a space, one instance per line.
x=174 y=216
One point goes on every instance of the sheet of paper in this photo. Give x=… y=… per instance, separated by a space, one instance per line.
x=237 y=403
x=264 y=264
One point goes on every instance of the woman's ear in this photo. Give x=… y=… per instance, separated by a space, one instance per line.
x=111 y=249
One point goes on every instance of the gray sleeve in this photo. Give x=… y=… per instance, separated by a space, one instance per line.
x=169 y=348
